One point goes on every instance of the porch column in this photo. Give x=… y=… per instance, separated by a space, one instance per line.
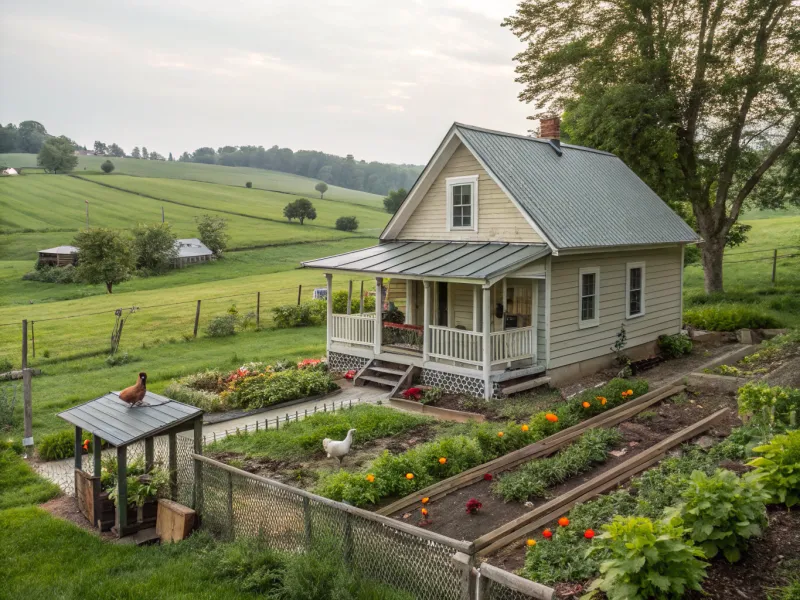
x=329 y=320
x=426 y=321
x=78 y=447
x=487 y=342
x=378 y=314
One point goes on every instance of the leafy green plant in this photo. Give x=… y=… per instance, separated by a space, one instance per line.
x=674 y=346
x=5 y=365
x=431 y=396
x=57 y=446
x=143 y=487
x=8 y=401
x=648 y=560
x=779 y=466
x=271 y=388
x=340 y=303
x=728 y=317
x=535 y=477
x=116 y=360
x=723 y=511
x=208 y=401
x=620 y=343
x=221 y=326
x=347 y=223
x=758 y=399
x=306 y=314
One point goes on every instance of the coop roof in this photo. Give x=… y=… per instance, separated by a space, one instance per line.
x=120 y=424
x=191 y=247
x=60 y=250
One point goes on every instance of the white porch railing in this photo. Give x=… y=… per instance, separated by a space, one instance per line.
x=457 y=345
x=512 y=344
x=353 y=329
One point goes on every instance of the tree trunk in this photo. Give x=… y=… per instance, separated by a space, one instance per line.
x=712 y=252
x=108 y=287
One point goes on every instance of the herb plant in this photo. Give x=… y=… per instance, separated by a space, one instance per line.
x=674 y=346
x=779 y=466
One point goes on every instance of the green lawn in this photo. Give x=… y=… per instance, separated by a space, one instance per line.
x=236 y=176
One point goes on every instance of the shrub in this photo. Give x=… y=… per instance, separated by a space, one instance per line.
x=208 y=401
x=59 y=445
x=250 y=564
x=728 y=317
x=51 y=274
x=5 y=365
x=221 y=326
x=210 y=380
x=107 y=166
x=648 y=559
x=674 y=346
x=779 y=466
x=271 y=388
x=723 y=511
x=248 y=185
x=431 y=396
x=307 y=314
x=114 y=360
x=772 y=403
x=340 y=303
x=347 y=223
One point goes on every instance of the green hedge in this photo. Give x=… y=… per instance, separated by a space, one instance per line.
x=59 y=445
x=728 y=317
x=271 y=388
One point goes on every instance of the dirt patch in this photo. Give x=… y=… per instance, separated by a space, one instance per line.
x=517 y=408
x=66 y=508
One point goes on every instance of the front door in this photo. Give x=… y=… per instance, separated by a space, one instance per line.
x=441 y=303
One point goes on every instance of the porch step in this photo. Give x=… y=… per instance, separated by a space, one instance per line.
x=398 y=372
x=525 y=385
x=390 y=382
x=518 y=373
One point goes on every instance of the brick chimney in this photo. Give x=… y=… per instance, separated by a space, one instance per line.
x=550 y=128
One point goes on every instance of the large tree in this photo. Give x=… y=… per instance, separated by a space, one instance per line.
x=57 y=155
x=300 y=209
x=393 y=201
x=700 y=97
x=104 y=256
x=213 y=232
x=154 y=247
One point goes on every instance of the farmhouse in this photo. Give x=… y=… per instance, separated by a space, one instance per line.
x=191 y=251
x=59 y=256
x=513 y=260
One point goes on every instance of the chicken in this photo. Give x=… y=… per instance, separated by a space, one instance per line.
x=336 y=449
x=135 y=394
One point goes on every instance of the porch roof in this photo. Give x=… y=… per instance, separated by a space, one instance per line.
x=435 y=260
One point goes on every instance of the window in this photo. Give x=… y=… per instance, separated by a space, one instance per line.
x=634 y=290
x=589 y=297
x=462 y=202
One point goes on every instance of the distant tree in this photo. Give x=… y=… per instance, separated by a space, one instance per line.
x=170 y=159
x=205 y=155
x=104 y=256
x=249 y=184
x=8 y=138
x=321 y=188
x=57 y=155
x=154 y=247
x=100 y=148
x=145 y=153
x=326 y=173
x=156 y=156
x=212 y=231
x=115 y=150
x=300 y=209
x=107 y=166
x=347 y=223
x=185 y=157
x=31 y=136
x=135 y=153
x=393 y=201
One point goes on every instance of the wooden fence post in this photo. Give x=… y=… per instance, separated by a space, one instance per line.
x=197 y=318
x=258 y=309
x=27 y=439
x=774 y=265
x=33 y=338
x=464 y=563
x=299 y=293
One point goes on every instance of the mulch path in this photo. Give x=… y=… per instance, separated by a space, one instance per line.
x=66 y=508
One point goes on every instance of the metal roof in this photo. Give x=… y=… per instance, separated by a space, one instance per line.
x=191 y=247
x=121 y=424
x=435 y=260
x=60 y=250
x=582 y=198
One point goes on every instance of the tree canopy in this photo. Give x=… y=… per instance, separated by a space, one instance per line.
x=57 y=155
x=107 y=166
x=300 y=209
x=700 y=98
x=104 y=256
x=321 y=187
x=393 y=201
x=213 y=232
x=154 y=247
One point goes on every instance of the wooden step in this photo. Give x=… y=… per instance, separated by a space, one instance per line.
x=518 y=373
x=379 y=380
x=397 y=372
x=525 y=385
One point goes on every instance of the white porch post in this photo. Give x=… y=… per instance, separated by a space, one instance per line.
x=487 y=342
x=378 y=314
x=329 y=280
x=426 y=321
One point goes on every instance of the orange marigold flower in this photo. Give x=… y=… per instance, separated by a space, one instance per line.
x=370 y=477
x=551 y=417
x=442 y=460
x=531 y=543
x=500 y=434
x=85 y=444
x=603 y=401
x=586 y=404
x=524 y=427
x=563 y=521
x=425 y=500
x=630 y=392
x=588 y=534
x=409 y=476
x=424 y=512
x=547 y=534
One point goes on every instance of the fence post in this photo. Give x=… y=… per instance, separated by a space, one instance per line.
x=197 y=318
x=774 y=264
x=299 y=293
x=464 y=563
x=33 y=339
x=307 y=520
x=258 y=309
x=230 y=504
x=27 y=439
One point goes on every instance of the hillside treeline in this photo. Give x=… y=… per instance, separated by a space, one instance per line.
x=27 y=137
x=374 y=177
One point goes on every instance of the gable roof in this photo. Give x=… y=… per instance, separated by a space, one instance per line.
x=580 y=198
x=191 y=247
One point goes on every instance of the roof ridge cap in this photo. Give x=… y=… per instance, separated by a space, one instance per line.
x=531 y=139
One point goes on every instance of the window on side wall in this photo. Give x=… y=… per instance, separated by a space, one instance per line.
x=462 y=203
x=589 y=297
x=634 y=290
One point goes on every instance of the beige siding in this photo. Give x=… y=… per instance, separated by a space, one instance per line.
x=462 y=304
x=498 y=218
x=570 y=344
x=396 y=292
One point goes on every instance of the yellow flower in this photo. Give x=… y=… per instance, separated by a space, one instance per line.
x=442 y=460
x=531 y=543
x=370 y=477
x=425 y=500
x=424 y=512
x=524 y=428
x=409 y=476
x=500 y=434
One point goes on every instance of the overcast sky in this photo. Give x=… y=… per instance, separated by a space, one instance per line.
x=382 y=80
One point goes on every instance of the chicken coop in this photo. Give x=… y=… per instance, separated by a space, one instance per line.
x=135 y=456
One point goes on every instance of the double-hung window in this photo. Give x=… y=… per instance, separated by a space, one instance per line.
x=634 y=290
x=589 y=297
x=462 y=203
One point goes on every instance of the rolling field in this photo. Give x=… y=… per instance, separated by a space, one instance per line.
x=236 y=176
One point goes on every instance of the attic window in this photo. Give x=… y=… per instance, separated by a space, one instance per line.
x=462 y=203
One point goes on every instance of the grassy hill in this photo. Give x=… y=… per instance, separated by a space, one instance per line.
x=236 y=176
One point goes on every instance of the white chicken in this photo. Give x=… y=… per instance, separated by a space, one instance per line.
x=336 y=449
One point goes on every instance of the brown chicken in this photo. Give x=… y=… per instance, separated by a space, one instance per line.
x=135 y=394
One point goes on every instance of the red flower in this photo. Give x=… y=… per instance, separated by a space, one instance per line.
x=487 y=477
x=473 y=505
x=350 y=374
x=547 y=534
x=413 y=392
x=588 y=534
x=563 y=521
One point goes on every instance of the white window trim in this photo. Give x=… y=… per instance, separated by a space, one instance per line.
x=452 y=181
x=583 y=324
x=628 y=267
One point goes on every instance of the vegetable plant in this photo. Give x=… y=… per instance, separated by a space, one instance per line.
x=648 y=560
x=779 y=466
x=674 y=346
x=723 y=511
x=758 y=398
